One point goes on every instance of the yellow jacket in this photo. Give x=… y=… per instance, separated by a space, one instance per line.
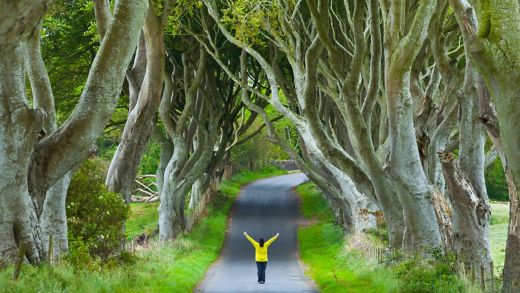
x=261 y=252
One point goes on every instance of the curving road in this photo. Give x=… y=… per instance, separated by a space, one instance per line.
x=263 y=208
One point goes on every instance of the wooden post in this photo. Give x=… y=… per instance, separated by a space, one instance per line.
x=50 y=253
x=491 y=268
x=463 y=268
x=19 y=261
x=482 y=278
x=59 y=249
x=473 y=277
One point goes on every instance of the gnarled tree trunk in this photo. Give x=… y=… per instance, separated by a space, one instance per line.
x=30 y=167
x=139 y=124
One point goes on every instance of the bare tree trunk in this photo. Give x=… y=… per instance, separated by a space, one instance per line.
x=54 y=217
x=137 y=132
x=414 y=191
x=173 y=198
x=494 y=49
x=31 y=167
x=166 y=154
x=177 y=182
x=19 y=130
x=511 y=271
x=470 y=214
x=472 y=160
x=198 y=189
x=409 y=179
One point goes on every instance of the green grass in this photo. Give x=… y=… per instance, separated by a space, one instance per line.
x=498 y=231
x=174 y=267
x=322 y=249
x=143 y=219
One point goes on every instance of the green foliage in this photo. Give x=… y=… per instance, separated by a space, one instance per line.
x=496 y=183
x=248 y=17
x=69 y=44
x=79 y=254
x=95 y=216
x=380 y=234
x=106 y=147
x=424 y=275
x=252 y=154
x=150 y=160
x=181 y=10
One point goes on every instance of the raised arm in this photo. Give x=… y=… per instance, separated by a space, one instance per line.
x=251 y=239
x=272 y=239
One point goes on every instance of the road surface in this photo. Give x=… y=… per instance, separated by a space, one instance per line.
x=264 y=208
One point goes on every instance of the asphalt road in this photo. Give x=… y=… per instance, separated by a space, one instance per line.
x=264 y=208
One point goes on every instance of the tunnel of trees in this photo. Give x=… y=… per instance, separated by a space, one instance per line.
x=406 y=110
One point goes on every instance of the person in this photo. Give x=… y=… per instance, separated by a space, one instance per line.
x=261 y=254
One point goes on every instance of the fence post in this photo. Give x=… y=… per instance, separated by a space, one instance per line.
x=472 y=268
x=482 y=278
x=59 y=249
x=19 y=261
x=492 y=276
x=50 y=253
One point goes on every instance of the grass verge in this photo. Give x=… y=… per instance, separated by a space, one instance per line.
x=348 y=264
x=322 y=249
x=177 y=267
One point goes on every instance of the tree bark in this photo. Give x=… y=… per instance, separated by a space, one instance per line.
x=137 y=131
x=413 y=188
x=54 y=217
x=20 y=127
x=472 y=162
x=470 y=214
x=197 y=191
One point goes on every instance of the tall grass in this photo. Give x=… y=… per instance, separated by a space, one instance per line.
x=173 y=267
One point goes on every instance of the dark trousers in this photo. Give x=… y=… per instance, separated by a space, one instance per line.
x=261 y=265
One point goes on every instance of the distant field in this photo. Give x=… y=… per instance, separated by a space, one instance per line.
x=498 y=231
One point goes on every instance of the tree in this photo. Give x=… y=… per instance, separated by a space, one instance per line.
x=493 y=42
x=32 y=160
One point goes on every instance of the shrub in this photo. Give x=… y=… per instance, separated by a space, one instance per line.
x=151 y=158
x=95 y=216
x=496 y=183
x=381 y=234
x=428 y=275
